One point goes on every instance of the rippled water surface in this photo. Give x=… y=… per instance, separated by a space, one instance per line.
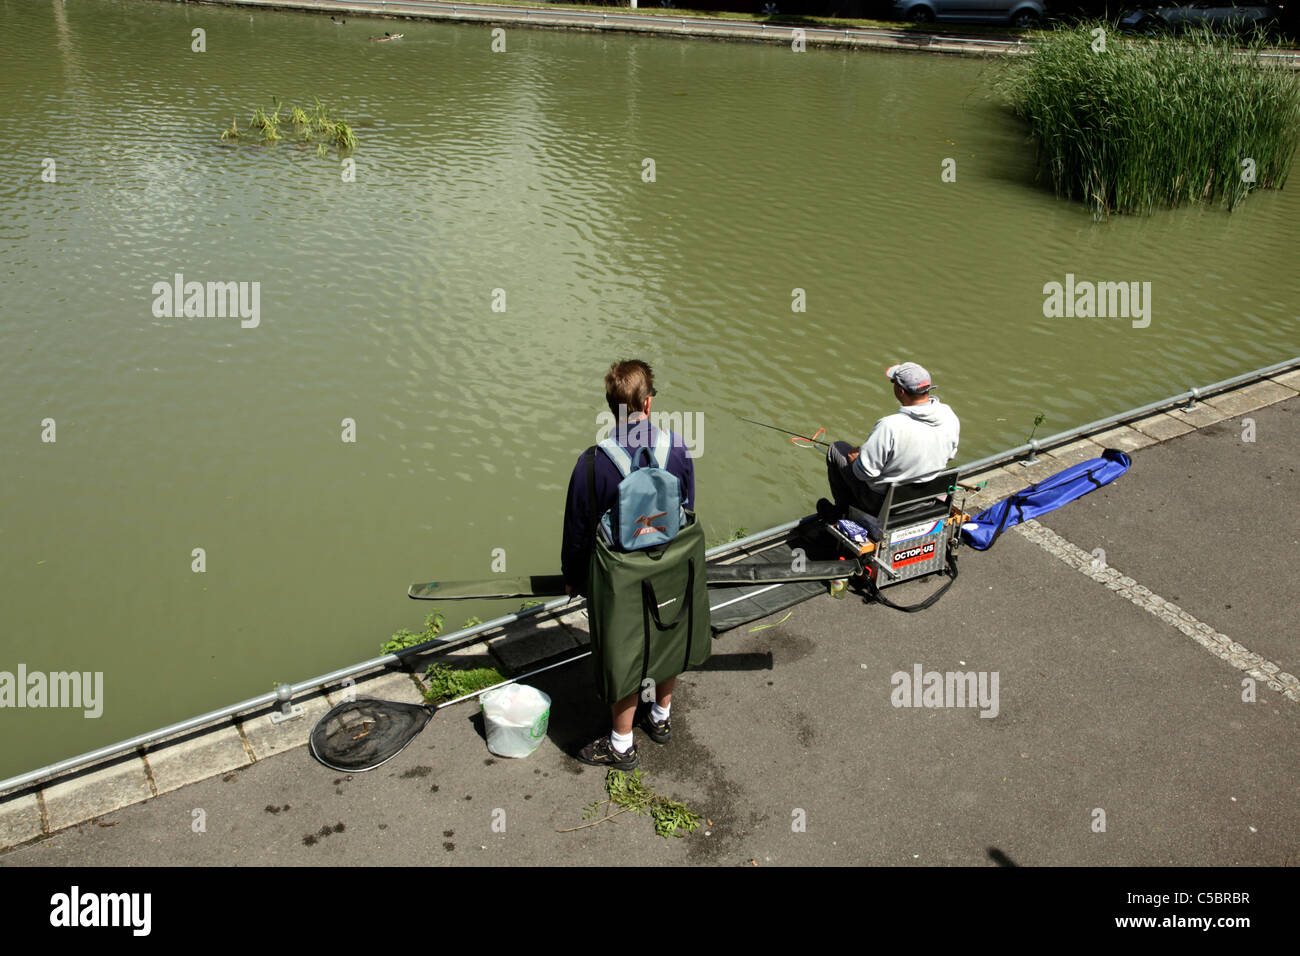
x=519 y=171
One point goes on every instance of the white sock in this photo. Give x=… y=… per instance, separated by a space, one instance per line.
x=621 y=742
x=659 y=714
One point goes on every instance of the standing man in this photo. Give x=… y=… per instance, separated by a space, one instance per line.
x=629 y=392
x=913 y=444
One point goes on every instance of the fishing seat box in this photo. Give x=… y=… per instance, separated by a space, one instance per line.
x=911 y=532
x=649 y=612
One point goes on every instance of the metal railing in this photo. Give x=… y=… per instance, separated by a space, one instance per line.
x=472 y=635
x=1185 y=399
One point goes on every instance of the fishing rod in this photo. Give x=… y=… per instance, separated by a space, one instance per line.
x=960 y=484
x=552 y=585
x=824 y=444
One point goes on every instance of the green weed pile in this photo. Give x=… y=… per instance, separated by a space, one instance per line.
x=630 y=794
x=444 y=683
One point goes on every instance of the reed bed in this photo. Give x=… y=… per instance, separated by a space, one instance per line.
x=309 y=125
x=1150 y=122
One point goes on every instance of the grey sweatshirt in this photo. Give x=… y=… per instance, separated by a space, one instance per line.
x=913 y=444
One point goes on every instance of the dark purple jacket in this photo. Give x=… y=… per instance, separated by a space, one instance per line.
x=575 y=552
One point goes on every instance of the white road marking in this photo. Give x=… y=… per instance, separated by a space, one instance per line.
x=1220 y=645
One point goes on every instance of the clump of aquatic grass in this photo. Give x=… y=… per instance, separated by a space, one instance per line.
x=334 y=131
x=344 y=138
x=446 y=683
x=300 y=121
x=268 y=123
x=309 y=125
x=1156 y=122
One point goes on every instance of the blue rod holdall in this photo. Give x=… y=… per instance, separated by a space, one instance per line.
x=1048 y=495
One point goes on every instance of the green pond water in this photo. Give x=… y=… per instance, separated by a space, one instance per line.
x=478 y=171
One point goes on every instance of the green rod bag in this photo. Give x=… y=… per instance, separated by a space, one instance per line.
x=649 y=612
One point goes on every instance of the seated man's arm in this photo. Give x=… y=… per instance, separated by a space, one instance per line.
x=875 y=454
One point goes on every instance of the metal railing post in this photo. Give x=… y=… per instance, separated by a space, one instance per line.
x=287 y=709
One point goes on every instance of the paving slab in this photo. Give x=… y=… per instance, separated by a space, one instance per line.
x=1289 y=380
x=200 y=754
x=96 y=792
x=1124 y=438
x=1029 y=474
x=387 y=684
x=1161 y=426
x=20 y=819
x=517 y=651
x=1199 y=415
x=1001 y=483
x=1238 y=401
x=267 y=738
x=1077 y=451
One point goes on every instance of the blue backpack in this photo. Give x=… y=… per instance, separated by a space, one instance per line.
x=648 y=511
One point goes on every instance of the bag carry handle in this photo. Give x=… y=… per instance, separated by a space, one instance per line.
x=649 y=456
x=650 y=608
x=651 y=603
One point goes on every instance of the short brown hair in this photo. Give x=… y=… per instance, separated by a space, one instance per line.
x=629 y=384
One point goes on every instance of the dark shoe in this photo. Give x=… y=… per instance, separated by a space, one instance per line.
x=660 y=731
x=601 y=753
x=828 y=512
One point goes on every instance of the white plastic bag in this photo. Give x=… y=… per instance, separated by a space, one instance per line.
x=515 y=717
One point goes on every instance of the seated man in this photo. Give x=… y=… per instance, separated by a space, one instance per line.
x=913 y=444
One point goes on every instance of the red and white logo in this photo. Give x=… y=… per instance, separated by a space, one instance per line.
x=913 y=555
x=647 y=527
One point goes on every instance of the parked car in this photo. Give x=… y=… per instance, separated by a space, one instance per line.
x=1226 y=16
x=1019 y=13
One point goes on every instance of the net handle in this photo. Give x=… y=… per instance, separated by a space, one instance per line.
x=513 y=680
